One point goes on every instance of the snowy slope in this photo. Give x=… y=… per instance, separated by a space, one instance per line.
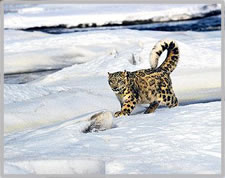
x=44 y=119
x=26 y=51
x=197 y=76
x=181 y=140
x=26 y=16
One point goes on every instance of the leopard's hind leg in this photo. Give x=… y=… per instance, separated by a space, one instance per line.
x=168 y=98
x=152 y=107
x=173 y=102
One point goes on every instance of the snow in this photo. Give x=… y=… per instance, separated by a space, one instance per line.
x=74 y=14
x=79 y=166
x=180 y=140
x=46 y=120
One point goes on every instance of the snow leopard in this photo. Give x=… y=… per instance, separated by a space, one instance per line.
x=151 y=86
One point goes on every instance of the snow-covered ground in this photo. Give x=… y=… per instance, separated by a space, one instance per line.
x=44 y=119
x=26 y=16
x=183 y=140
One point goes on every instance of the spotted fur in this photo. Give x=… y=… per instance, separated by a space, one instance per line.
x=147 y=86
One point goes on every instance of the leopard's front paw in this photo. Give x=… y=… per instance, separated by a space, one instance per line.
x=119 y=114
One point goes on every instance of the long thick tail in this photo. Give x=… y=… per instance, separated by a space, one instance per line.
x=172 y=58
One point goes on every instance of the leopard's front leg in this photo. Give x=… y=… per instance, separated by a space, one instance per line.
x=126 y=108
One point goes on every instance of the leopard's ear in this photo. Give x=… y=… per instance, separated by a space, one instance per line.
x=109 y=73
x=125 y=73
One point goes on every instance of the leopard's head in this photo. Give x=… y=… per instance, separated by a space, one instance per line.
x=118 y=81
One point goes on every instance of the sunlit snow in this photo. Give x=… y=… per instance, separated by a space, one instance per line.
x=45 y=119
